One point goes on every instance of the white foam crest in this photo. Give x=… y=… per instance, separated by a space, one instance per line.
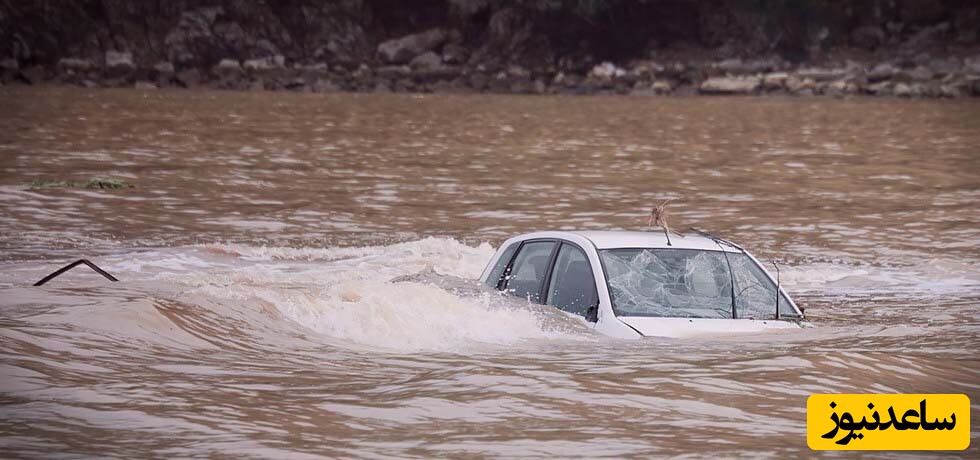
x=444 y=255
x=411 y=316
x=347 y=294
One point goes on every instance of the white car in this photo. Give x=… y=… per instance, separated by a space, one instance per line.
x=634 y=284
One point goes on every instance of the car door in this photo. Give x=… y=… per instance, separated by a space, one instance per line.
x=572 y=283
x=529 y=270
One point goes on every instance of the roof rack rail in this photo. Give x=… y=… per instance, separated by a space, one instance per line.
x=716 y=239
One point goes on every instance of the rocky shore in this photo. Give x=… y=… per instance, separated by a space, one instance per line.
x=501 y=51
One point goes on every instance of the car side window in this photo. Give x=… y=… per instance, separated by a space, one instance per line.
x=529 y=270
x=572 y=282
x=493 y=280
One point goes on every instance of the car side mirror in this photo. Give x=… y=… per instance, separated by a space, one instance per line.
x=592 y=313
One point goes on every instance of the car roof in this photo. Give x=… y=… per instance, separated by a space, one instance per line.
x=624 y=239
x=633 y=239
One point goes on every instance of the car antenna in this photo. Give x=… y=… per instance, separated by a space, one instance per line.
x=658 y=216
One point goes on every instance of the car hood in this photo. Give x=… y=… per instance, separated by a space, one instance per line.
x=686 y=327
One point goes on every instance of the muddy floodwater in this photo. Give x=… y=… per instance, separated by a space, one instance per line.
x=256 y=316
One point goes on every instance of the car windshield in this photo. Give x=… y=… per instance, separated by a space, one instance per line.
x=688 y=283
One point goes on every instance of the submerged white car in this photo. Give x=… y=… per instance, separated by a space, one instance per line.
x=634 y=284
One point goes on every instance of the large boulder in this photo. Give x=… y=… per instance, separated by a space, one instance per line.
x=971 y=65
x=403 y=50
x=606 y=71
x=821 y=74
x=119 y=63
x=882 y=71
x=428 y=60
x=920 y=73
x=796 y=85
x=75 y=65
x=737 y=66
x=731 y=85
x=775 y=81
x=227 y=68
x=265 y=64
x=454 y=54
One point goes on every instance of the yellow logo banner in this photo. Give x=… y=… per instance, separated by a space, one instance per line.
x=888 y=422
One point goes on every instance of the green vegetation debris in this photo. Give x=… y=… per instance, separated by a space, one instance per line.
x=95 y=182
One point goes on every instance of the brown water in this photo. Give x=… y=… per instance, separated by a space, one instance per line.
x=256 y=316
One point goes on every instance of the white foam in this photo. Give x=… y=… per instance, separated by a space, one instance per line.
x=411 y=316
x=347 y=293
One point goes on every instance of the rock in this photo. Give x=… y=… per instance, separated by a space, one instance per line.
x=945 y=66
x=952 y=90
x=75 y=64
x=161 y=72
x=774 y=81
x=902 y=90
x=644 y=69
x=820 y=74
x=730 y=85
x=883 y=88
x=227 y=67
x=606 y=72
x=559 y=79
x=662 y=87
x=9 y=64
x=189 y=78
x=841 y=87
x=920 y=73
x=868 y=37
x=676 y=69
x=403 y=50
x=298 y=84
x=882 y=71
x=363 y=72
x=739 y=67
x=265 y=64
x=730 y=65
x=540 y=87
x=119 y=63
x=428 y=60
x=454 y=54
x=144 y=85
x=796 y=85
x=394 y=71
x=517 y=72
x=972 y=65
x=164 y=68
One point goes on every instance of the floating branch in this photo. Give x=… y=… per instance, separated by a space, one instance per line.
x=73 y=265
